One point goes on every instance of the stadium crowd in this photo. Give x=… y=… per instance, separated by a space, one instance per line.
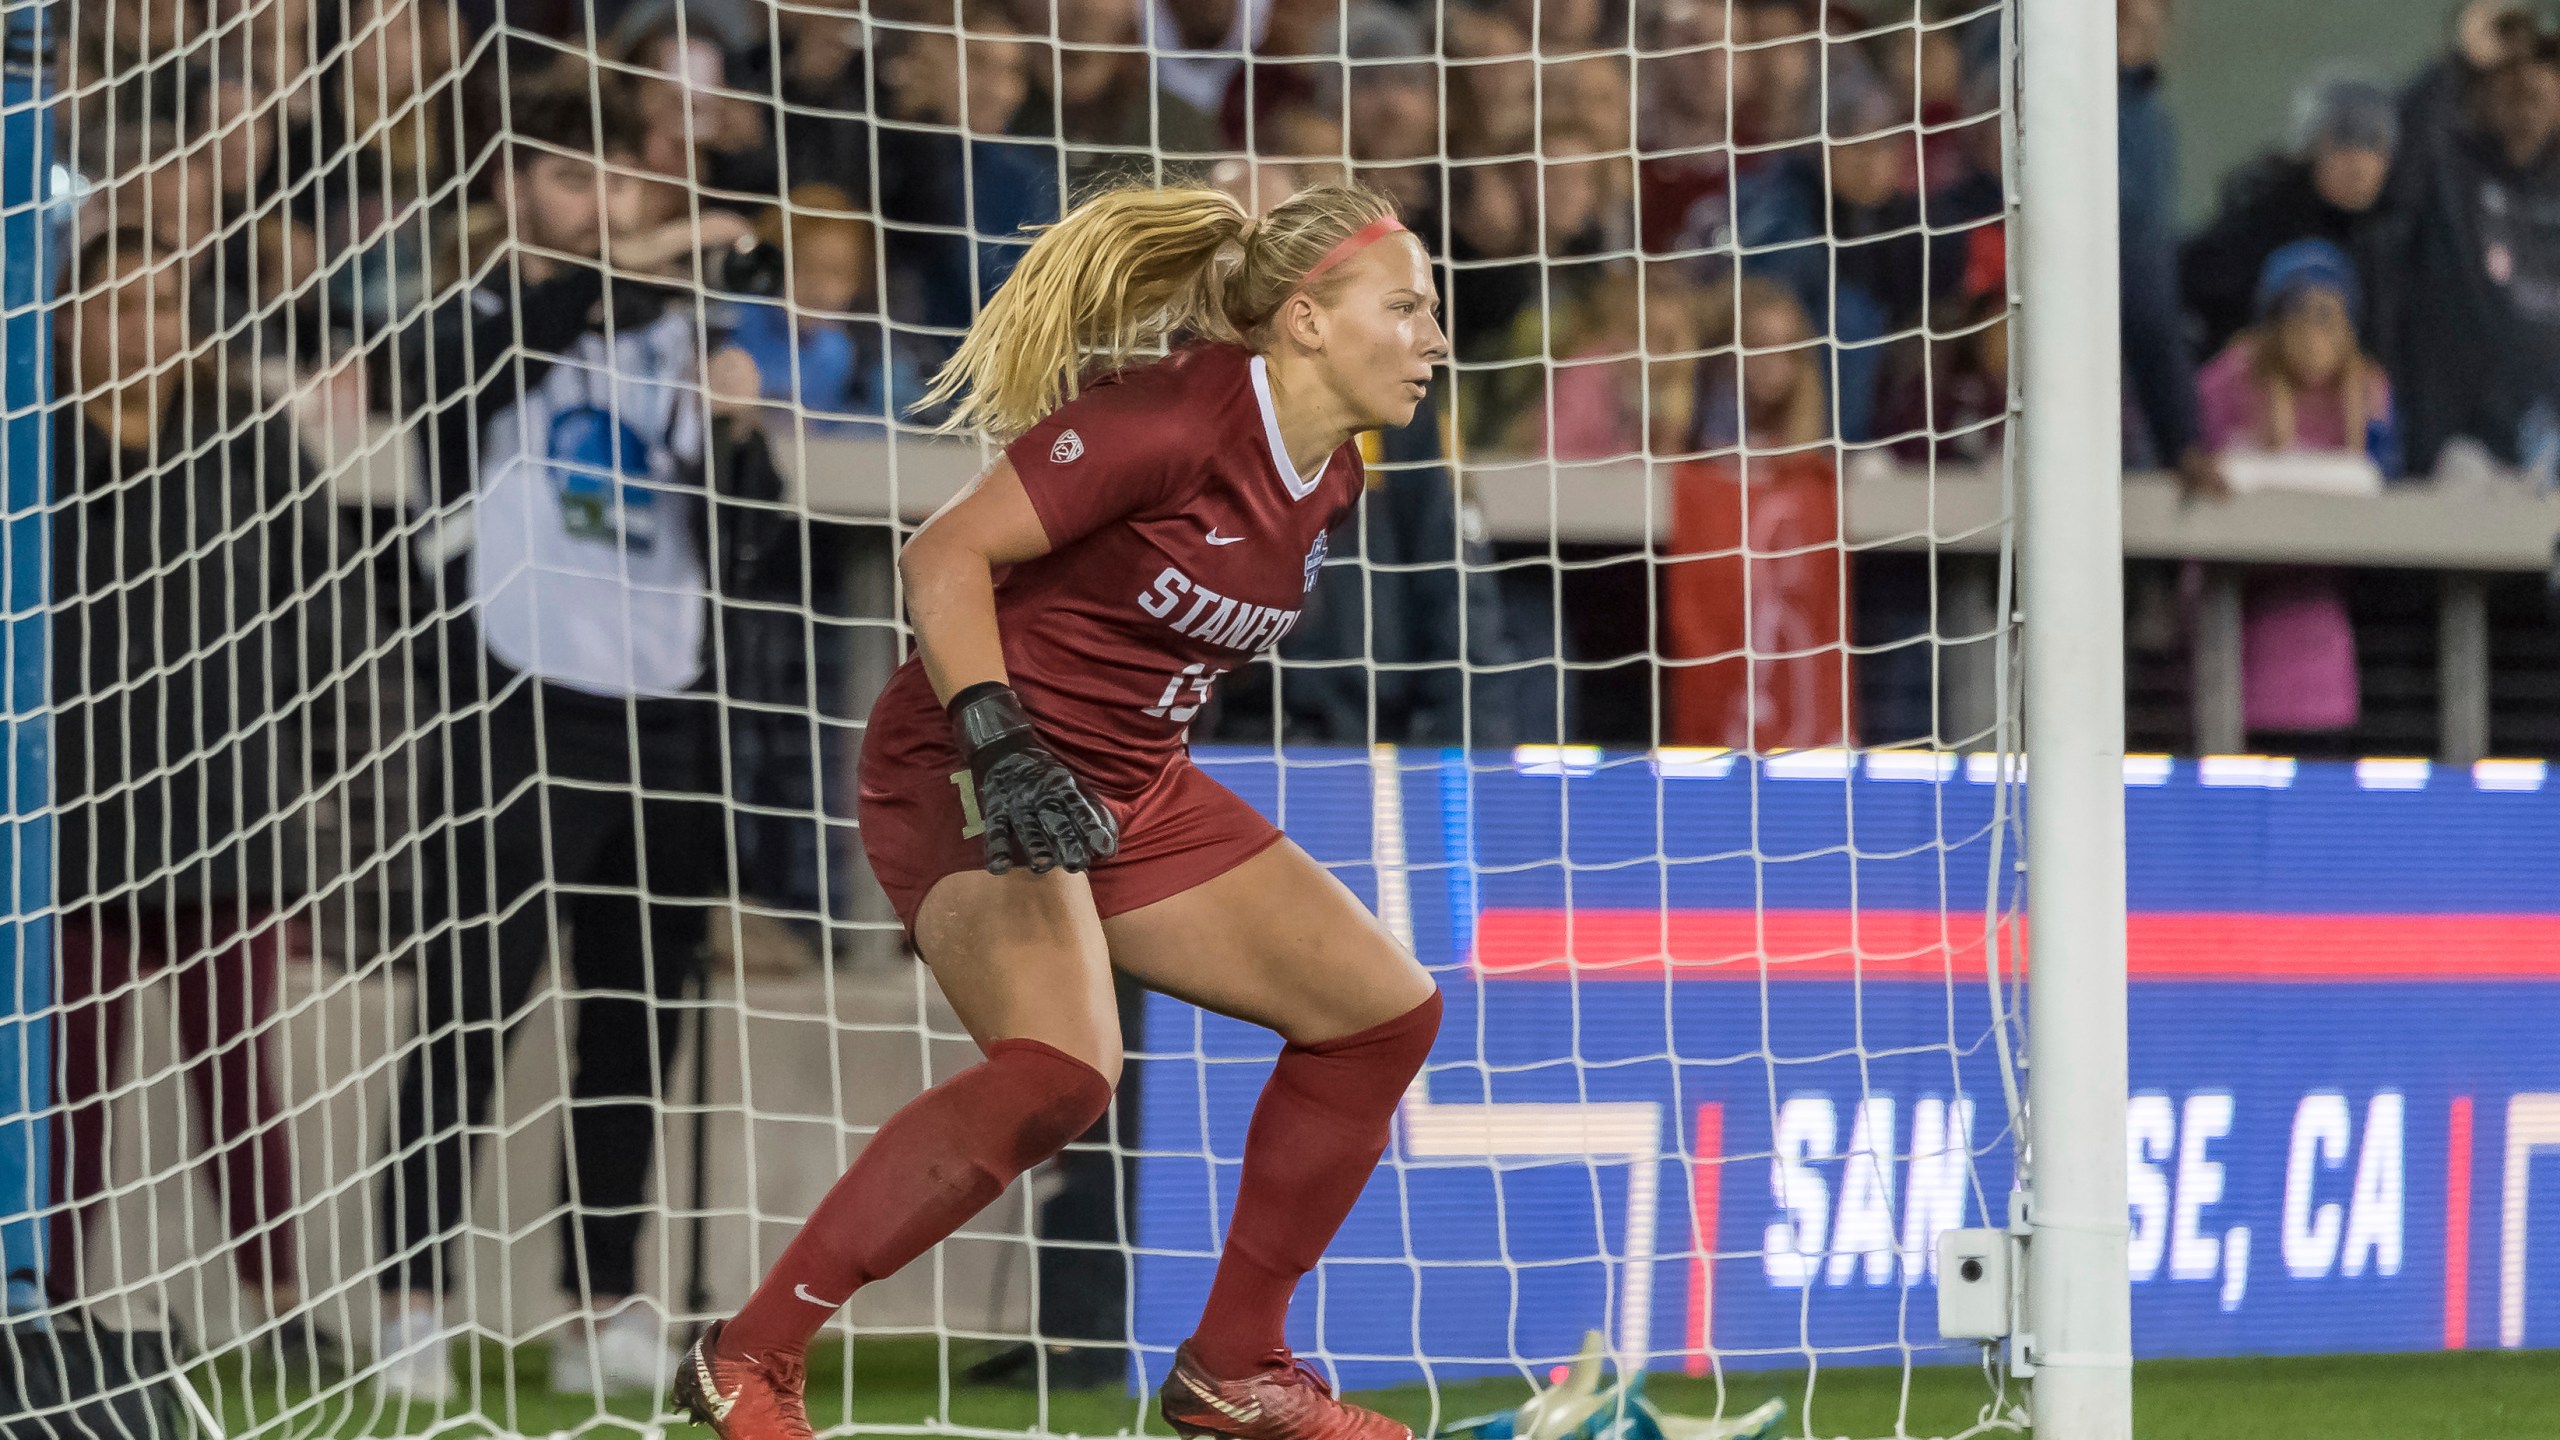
x=1628 y=199
x=1756 y=237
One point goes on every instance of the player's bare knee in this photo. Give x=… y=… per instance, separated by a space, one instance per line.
x=1106 y=1059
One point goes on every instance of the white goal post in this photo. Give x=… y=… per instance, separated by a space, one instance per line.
x=2079 y=1301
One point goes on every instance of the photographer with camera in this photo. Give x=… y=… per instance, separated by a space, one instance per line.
x=587 y=475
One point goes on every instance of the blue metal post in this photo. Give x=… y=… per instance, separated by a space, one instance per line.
x=26 y=464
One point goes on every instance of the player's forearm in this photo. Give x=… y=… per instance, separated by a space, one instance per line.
x=951 y=597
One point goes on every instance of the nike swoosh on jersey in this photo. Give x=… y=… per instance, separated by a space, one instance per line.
x=1241 y=1414
x=802 y=1292
x=1217 y=539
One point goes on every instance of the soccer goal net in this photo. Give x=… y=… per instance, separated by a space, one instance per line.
x=456 y=457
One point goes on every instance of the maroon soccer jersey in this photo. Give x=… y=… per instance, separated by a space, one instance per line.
x=1183 y=543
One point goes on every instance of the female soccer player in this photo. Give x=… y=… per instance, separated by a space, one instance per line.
x=1029 y=802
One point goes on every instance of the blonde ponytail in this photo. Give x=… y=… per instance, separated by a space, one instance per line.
x=1122 y=273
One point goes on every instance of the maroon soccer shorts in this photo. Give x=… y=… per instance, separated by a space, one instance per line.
x=1185 y=829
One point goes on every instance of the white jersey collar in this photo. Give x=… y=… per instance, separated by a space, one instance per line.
x=1298 y=489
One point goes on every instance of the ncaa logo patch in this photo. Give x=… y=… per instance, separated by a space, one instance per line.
x=1070 y=448
x=1315 y=556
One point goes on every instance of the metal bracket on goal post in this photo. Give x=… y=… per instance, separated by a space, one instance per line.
x=2077 y=1297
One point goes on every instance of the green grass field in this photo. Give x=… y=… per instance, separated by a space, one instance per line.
x=895 y=1385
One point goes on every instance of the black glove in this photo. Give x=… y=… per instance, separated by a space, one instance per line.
x=1032 y=807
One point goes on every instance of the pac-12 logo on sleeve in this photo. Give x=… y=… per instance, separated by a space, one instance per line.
x=1070 y=448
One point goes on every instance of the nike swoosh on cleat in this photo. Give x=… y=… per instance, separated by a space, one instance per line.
x=801 y=1292
x=1241 y=1414
x=1217 y=539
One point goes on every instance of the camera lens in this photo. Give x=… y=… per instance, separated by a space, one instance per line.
x=750 y=268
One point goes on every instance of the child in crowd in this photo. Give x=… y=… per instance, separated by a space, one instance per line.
x=1753 y=598
x=1626 y=374
x=2296 y=380
x=825 y=350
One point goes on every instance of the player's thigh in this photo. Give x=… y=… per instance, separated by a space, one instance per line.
x=1021 y=957
x=1277 y=941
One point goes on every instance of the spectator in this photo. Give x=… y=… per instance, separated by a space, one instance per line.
x=1593 y=95
x=700 y=132
x=1310 y=138
x=826 y=98
x=1921 y=74
x=1840 y=225
x=188 y=548
x=1493 y=250
x=390 y=142
x=1292 y=59
x=1585 y=213
x=824 y=349
x=948 y=172
x=1493 y=86
x=2486 y=34
x=1761 y=386
x=1949 y=392
x=569 y=450
x=1681 y=125
x=271 y=306
x=2328 y=186
x=2476 y=359
x=275 y=57
x=1962 y=179
x=2295 y=381
x=2159 y=375
x=1391 y=114
x=1776 y=72
x=1201 y=48
x=1115 y=119
x=275 y=327
x=390 y=111
x=1944 y=400
x=127 y=62
x=235 y=128
x=1586 y=209
x=735 y=28
x=1753 y=596
x=171 y=200
x=1625 y=382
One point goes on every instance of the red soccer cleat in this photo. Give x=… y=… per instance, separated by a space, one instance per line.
x=1290 y=1404
x=753 y=1397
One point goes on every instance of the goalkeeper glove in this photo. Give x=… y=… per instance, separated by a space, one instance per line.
x=1035 y=811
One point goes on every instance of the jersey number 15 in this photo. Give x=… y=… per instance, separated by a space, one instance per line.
x=1195 y=678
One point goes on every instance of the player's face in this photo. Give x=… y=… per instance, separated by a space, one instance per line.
x=1383 y=333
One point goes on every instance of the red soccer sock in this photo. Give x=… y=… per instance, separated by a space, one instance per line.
x=941 y=1159
x=1317 y=1134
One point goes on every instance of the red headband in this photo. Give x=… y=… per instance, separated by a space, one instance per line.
x=1358 y=240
